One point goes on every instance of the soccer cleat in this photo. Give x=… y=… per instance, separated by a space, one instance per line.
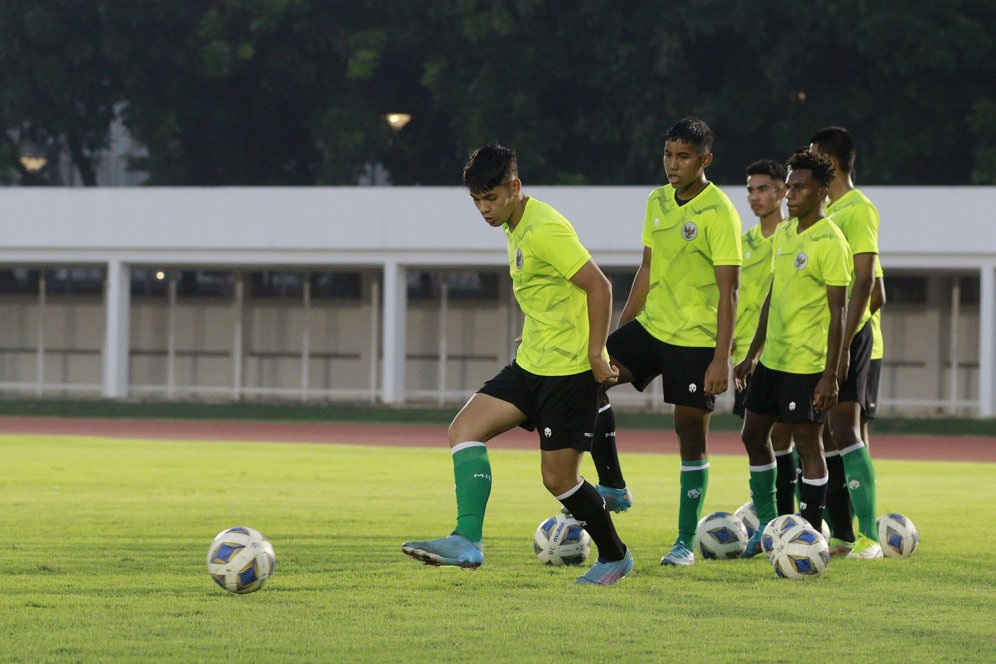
x=840 y=547
x=606 y=573
x=680 y=555
x=453 y=550
x=753 y=545
x=865 y=548
x=617 y=500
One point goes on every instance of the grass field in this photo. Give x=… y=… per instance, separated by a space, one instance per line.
x=105 y=544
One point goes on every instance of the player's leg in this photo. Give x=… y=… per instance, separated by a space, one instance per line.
x=786 y=459
x=761 y=463
x=870 y=408
x=813 y=489
x=838 y=513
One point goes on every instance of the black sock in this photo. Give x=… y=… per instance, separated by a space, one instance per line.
x=587 y=506
x=785 y=482
x=838 y=500
x=603 y=447
x=812 y=499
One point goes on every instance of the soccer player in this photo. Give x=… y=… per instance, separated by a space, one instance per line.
x=852 y=475
x=875 y=304
x=765 y=193
x=555 y=382
x=800 y=333
x=678 y=320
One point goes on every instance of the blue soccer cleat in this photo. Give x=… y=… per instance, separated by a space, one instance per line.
x=452 y=550
x=753 y=545
x=681 y=555
x=617 y=500
x=604 y=573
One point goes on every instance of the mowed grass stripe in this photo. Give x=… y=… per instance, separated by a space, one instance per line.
x=105 y=545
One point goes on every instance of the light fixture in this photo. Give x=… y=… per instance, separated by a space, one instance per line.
x=160 y=275
x=398 y=120
x=33 y=163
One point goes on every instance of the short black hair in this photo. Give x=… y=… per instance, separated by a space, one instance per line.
x=837 y=141
x=691 y=130
x=769 y=167
x=489 y=166
x=819 y=164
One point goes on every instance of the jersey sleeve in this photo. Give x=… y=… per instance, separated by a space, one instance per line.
x=862 y=230
x=835 y=263
x=723 y=233
x=648 y=224
x=879 y=272
x=559 y=246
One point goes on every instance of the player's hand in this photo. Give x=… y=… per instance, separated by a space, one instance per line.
x=604 y=373
x=742 y=372
x=844 y=366
x=717 y=378
x=825 y=394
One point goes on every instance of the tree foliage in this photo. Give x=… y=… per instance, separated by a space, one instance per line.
x=294 y=92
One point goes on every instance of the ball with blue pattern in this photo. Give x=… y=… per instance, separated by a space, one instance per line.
x=801 y=553
x=240 y=560
x=561 y=540
x=720 y=536
x=897 y=535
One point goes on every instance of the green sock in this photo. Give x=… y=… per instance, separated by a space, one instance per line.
x=472 y=471
x=860 y=474
x=762 y=492
x=694 y=480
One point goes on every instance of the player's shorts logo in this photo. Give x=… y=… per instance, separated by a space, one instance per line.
x=547 y=432
x=689 y=231
x=791 y=405
x=801 y=261
x=692 y=387
x=518 y=258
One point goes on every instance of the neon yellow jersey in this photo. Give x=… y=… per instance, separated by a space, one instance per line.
x=878 y=342
x=755 y=281
x=858 y=218
x=543 y=254
x=799 y=315
x=687 y=242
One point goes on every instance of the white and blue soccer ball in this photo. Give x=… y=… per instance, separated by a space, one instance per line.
x=561 y=540
x=802 y=553
x=720 y=536
x=771 y=537
x=897 y=535
x=748 y=514
x=240 y=560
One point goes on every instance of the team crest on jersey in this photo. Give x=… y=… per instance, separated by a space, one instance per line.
x=518 y=258
x=801 y=260
x=689 y=231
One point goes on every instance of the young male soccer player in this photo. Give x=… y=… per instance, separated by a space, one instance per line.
x=800 y=332
x=765 y=192
x=852 y=475
x=555 y=382
x=678 y=320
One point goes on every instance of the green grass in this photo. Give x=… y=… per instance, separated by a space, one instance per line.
x=105 y=544
x=430 y=414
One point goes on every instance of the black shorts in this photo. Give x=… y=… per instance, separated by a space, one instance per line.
x=681 y=367
x=787 y=396
x=739 y=396
x=562 y=408
x=855 y=386
x=871 y=392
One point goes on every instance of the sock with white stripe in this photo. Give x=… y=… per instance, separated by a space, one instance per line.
x=587 y=506
x=604 y=453
x=762 y=491
x=838 y=501
x=813 y=494
x=472 y=472
x=860 y=475
x=785 y=481
x=694 y=481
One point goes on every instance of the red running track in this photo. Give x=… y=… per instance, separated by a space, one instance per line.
x=940 y=448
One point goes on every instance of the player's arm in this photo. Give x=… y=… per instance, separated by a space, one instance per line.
x=742 y=371
x=637 y=299
x=598 y=290
x=825 y=394
x=877 y=298
x=717 y=375
x=864 y=278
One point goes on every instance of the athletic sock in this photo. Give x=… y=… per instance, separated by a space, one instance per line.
x=798 y=474
x=472 y=472
x=786 y=481
x=587 y=506
x=814 y=493
x=604 y=453
x=860 y=475
x=762 y=492
x=838 y=500
x=694 y=481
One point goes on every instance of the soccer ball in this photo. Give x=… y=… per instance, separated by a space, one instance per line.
x=561 y=540
x=240 y=560
x=824 y=527
x=720 y=536
x=772 y=535
x=748 y=515
x=897 y=535
x=801 y=554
